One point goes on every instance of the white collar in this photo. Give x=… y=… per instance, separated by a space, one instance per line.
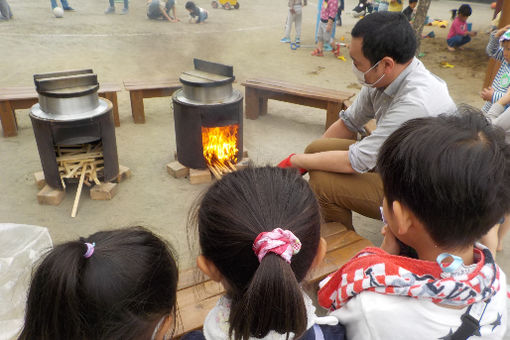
x=216 y=324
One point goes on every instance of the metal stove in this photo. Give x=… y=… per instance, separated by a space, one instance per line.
x=70 y=112
x=206 y=99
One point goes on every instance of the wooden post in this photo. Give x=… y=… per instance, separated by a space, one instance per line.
x=251 y=103
x=493 y=67
x=137 y=109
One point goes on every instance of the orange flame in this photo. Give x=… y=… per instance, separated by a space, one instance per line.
x=220 y=144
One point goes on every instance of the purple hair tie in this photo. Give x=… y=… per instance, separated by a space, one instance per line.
x=90 y=249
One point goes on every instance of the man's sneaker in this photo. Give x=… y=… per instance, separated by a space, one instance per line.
x=285 y=40
x=124 y=11
x=69 y=9
x=110 y=10
x=327 y=47
x=298 y=41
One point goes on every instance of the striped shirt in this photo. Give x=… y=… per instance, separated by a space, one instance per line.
x=502 y=80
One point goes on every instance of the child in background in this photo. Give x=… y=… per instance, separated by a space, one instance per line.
x=117 y=284
x=259 y=232
x=295 y=16
x=197 y=14
x=111 y=8
x=327 y=18
x=5 y=11
x=446 y=183
x=459 y=35
x=341 y=7
x=409 y=11
x=395 y=6
x=158 y=9
x=499 y=49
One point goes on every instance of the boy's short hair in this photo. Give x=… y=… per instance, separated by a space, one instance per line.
x=451 y=171
x=386 y=34
x=465 y=10
x=413 y=1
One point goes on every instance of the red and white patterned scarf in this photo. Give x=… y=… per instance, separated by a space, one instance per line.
x=374 y=270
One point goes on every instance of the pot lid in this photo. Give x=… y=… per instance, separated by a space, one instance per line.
x=208 y=74
x=66 y=84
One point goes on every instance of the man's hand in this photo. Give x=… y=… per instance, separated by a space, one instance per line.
x=487 y=93
x=292 y=11
x=389 y=243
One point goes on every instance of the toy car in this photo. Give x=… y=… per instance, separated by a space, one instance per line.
x=226 y=4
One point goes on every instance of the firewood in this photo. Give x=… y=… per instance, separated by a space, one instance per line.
x=78 y=192
x=215 y=172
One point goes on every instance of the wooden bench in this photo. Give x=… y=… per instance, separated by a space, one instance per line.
x=259 y=90
x=138 y=90
x=17 y=98
x=197 y=296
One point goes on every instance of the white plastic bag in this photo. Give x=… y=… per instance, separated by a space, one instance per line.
x=21 y=246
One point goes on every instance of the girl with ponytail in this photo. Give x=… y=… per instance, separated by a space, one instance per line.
x=118 y=284
x=259 y=234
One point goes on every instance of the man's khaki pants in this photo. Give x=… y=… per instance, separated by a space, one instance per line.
x=340 y=194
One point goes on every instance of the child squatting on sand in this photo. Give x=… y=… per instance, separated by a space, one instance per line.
x=446 y=183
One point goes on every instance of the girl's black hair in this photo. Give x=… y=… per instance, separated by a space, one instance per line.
x=266 y=296
x=120 y=292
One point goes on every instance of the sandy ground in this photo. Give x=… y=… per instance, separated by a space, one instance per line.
x=132 y=47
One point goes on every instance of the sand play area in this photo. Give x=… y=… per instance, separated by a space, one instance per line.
x=132 y=47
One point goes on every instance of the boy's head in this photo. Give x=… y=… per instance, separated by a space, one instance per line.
x=452 y=172
x=413 y=3
x=464 y=12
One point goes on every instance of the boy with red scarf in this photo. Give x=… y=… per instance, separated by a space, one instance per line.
x=446 y=183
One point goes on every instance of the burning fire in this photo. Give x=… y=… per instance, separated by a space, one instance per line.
x=220 y=144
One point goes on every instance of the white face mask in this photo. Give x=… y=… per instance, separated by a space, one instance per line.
x=361 y=75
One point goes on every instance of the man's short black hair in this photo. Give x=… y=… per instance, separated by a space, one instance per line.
x=412 y=1
x=451 y=171
x=386 y=34
x=465 y=10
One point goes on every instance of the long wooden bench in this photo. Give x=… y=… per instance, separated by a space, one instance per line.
x=196 y=296
x=138 y=90
x=17 y=98
x=259 y=90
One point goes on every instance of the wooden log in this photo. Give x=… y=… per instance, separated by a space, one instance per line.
x=215 y=172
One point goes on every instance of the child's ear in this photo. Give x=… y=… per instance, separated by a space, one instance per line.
x=208 y=268
x=321 y=252
x=403 y=217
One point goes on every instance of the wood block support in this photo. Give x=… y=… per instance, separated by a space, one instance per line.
x=137 y=109
x=105 y=191
x=243 y=163
x=199 y=176
x=39 y=179
x=177 y=170
x=124 y=173
x=50 y=196
x=8 y=119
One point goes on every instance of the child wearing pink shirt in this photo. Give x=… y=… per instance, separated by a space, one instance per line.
x=459 y=34
x=328 y=13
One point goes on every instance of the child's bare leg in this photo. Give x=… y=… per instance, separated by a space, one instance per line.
x=503 y=229
x=490 y=240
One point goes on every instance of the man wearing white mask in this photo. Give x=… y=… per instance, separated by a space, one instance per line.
x=396 y=87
